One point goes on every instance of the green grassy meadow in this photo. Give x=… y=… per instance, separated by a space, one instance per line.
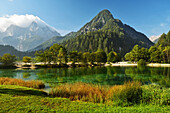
x=22 y=100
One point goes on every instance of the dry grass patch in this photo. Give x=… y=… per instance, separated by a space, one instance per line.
x=31 y=84
x=128 y=93
x=80 y=91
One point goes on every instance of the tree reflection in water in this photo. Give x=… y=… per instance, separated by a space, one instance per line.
x=95 y=75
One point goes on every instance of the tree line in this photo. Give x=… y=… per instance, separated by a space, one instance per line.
x=159 y=53
x=58 y=53
x=153 y=54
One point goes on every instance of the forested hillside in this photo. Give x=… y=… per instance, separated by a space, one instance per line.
x=53 y=40
x=102 y=39
x=11 y=50
x=105 y=32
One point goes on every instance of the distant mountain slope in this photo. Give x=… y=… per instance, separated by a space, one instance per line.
x=13 y=51
x=106 y=33
x=154 y=39
x=56 y=39
x=68 y=36
x=24 y=38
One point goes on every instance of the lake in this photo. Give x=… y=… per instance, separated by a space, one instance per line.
x=95 y=75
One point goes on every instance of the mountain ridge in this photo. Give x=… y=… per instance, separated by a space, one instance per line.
x=26 y=38
x=11 y=50
x=103 y=21
x=99 y=29
x=53 y=40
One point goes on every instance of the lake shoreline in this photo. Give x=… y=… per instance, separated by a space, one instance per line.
x=158 y=65
x=68 y=65
x=135 y=64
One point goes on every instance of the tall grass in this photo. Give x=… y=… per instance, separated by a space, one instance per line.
x=130 y=92
x=19 y=82
x=156 y=95
x=80 y=91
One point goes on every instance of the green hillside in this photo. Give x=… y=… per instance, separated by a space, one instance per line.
x=11 y=50
x=105 y=32
x=53 y=40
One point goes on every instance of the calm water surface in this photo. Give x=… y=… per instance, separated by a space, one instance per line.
x=95 y=75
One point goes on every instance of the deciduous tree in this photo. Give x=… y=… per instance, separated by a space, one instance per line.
x=8 y=59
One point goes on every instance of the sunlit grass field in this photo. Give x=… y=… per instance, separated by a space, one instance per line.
x=22 y=99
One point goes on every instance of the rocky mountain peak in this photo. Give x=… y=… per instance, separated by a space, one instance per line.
x=26 y=37
x=33 y=26
x=105 y=14
x=97 y=22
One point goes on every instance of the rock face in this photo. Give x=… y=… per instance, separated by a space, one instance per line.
x=26 y=38
x=98 y=22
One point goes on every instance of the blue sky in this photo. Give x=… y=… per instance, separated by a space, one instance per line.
x=151 y=17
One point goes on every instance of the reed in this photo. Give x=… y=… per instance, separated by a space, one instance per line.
x=129 y=92
x=31 y=84
x=80 y=91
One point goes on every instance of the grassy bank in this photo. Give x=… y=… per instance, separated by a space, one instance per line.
x=31 y=84
x=22 y=99
x=128 y=94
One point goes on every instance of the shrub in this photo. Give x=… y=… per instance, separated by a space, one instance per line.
x=19 y=82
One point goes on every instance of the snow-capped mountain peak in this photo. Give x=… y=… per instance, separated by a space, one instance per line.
x=154 y=38
x=24 y=32
x=21 y=21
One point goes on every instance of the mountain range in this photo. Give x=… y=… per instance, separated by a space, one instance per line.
x=26 y=38
x=102 y=32
x=123 y=39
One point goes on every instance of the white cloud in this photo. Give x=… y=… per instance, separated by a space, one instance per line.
x=19 y=20
x=11 y=0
